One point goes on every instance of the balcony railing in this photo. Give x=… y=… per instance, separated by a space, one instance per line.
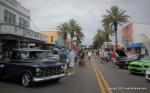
x=20 y=31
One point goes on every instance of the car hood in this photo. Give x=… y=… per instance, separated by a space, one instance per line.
x=44 y=63
x=141 y=62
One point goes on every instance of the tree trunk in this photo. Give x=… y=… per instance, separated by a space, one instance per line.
x=107 y=39
x=116 y=40
x=116 y=37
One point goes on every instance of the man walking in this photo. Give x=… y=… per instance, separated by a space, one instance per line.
x=72 y=61
x=63 y=58
x=89 y=55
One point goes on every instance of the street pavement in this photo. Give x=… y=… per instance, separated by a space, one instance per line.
x=94 y=78
x=121 y=81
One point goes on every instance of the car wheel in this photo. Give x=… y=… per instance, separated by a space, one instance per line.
x=121 y=67
x=26 y=79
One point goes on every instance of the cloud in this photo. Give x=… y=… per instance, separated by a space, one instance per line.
x=47 y=14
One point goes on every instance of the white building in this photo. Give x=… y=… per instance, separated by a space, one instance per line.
x=12 y=12
x=15 y=26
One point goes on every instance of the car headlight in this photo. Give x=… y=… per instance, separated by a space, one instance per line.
x=62 y=67
x=38 y=71
x=58 y=59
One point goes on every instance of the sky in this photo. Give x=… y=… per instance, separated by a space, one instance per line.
x=48 y=14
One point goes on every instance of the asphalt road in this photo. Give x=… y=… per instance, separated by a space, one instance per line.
x=121 y=81
x=94 y=78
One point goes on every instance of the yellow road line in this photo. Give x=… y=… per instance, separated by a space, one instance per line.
x=99 y=80
x=103 y=79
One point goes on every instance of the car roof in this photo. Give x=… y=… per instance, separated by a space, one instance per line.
x=29 y=49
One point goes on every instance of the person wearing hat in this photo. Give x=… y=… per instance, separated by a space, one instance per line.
x=63 y=58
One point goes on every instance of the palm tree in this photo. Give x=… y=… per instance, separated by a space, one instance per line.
x=99 y=38
x=72 y=27
x=75 y=31
x=107 y=33
x=64 y=28
x=115 y=16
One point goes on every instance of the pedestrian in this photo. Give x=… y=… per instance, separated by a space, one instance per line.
x=105 y=56
x=89 y=55
x=101 y=55
x=71 y=62
x=78 y=55
x=63 y=59
x=82 y=61
x=114 y=56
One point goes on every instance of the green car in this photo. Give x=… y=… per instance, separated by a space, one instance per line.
x=139 y=66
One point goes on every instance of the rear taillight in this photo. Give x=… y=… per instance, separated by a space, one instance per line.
x=126 y=62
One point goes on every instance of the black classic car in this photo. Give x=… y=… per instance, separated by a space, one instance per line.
x=125 y=60
x=31 y=65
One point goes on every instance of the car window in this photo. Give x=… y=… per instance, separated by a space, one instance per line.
x=49 y=54
x=24 y=55
x=132 y=56
x=36 y=54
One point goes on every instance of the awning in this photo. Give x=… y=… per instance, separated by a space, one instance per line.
x=134 y=45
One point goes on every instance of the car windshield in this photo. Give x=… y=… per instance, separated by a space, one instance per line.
x=146 y=58
x=32 y=54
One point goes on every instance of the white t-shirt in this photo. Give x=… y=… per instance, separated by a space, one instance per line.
x=89 y=54
x=72 y=58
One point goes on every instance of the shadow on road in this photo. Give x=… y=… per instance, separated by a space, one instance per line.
x=35 y=85
x=46 y=84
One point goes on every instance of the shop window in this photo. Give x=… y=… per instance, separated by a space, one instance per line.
x=5 y=16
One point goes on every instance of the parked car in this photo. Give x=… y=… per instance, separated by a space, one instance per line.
x=139 y=66
x=124 y=61
x=31 y=65
x=147 y=74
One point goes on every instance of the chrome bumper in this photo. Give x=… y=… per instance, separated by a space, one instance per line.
x=38 y=79
x=146 y=76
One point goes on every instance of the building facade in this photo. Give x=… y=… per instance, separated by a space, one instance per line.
x=15 y=27
x=52 y=35
x=136 y=35
x=127 y=35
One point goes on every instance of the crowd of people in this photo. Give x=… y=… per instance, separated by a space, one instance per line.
x=69 y=57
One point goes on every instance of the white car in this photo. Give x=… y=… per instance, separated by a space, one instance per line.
x=147 y=75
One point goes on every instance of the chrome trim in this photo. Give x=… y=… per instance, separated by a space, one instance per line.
x=146 y=76
x=38 y=79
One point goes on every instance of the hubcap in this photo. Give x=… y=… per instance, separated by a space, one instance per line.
x=26 y=80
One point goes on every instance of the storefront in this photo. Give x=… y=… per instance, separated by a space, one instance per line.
x=139 y=47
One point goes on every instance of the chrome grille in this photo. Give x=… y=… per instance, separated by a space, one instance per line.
x=51 y=71
x=135 y=65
